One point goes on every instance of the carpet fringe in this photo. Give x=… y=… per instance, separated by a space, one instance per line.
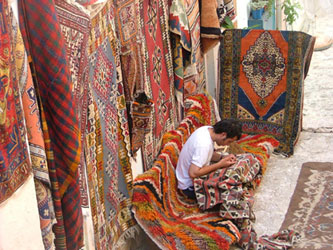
x=128 y=234
x=148 y=233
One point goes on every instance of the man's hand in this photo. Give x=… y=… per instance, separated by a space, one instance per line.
x=227 y=161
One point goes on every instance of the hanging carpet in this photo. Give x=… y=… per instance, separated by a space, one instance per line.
x=154 y=25
x=213 y=14
x=143 y=33
x=35 y=139
x=107 y=148
x=262 y=74
x=15 y=165
x=188 y=62
x=46 y=50
x=75 y=27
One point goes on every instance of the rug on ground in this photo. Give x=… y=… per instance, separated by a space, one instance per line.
x=261 y=81
x=310 y=208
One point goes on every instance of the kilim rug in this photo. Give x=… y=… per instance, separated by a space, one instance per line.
x=231 y=192
x=143 y=33
x=47 y=55
x=226 y=8
x=127 y=18
x=189 y=71
x=109 y=169
x=311 y=205
x=75 y=27
x=261 y=81
x=154 y=27
x=15 y=166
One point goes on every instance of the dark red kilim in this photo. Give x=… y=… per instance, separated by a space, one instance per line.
x=46 y=49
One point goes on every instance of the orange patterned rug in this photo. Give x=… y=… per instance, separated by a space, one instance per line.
x=311 y=206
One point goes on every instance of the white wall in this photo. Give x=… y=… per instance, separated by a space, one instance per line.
x=243 y=13
x=19 y=220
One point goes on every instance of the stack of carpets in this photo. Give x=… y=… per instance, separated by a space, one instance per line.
x=171 y=220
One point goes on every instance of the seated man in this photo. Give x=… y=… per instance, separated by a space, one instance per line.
x=198 y=151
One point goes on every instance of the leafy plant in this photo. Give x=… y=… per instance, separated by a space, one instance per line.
x=257 y=5
x=227 y=23
x=290 y=11
x=266 y=4
x=269 y=7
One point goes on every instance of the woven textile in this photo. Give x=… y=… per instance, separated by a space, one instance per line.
x=35 y=139
x=141 y=116
x=46 y=48
x=171 y=220
x=143 y=33
x=86 y=2
x=210 y=29
x=213 y=14
x=261 y=81
x=108 y=148
x=225 y=8
x=15 y=165
x=75 y=26
x=127 y=18
x=187 y=55
x=95 y=173
x=154 y=25
x=231 y=192
x=310 y=208
x=229 y=188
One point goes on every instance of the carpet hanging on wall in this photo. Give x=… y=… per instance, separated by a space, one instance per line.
x=154 y=26
x=188 y=61
x=47 y=55
x=262 y=74
x=35 y=139
x=146 y=63
x=15 y=166
x=109 y=169
x=75 y=29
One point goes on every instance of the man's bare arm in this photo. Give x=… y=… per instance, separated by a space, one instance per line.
x=196 y=171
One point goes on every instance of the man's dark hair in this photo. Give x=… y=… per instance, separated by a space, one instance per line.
x=230 y=126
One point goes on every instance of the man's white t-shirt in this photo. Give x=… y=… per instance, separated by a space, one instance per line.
x=197 y=150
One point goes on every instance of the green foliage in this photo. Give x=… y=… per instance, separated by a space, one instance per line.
x=289 y=10
x=269 y=7
x=258 y=4
x=227 y=23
